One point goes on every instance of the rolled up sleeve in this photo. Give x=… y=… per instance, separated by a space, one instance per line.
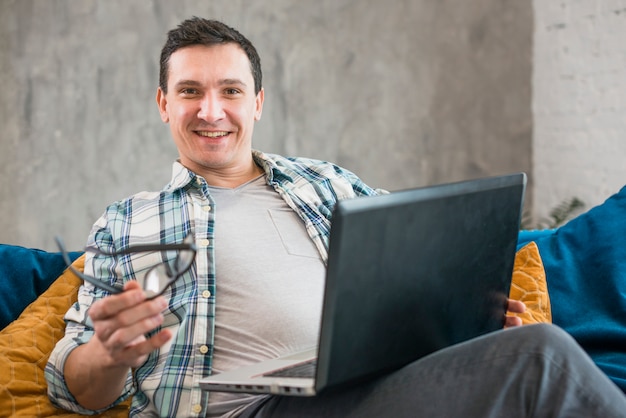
x=78 y=331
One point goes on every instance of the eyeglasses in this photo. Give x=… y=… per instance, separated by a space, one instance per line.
x=157 y=279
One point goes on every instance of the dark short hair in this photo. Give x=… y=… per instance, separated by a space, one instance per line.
x=199 y=31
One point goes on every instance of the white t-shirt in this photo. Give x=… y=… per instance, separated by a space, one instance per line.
x=269 y=283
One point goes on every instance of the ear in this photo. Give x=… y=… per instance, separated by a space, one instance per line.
x=259 y=104
x=162 y=104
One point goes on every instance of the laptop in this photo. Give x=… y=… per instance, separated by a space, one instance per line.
x=408 y=273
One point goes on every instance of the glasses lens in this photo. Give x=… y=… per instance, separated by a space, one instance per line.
x=185 y=257
x=155 y=280
x=159 y=277
x=184 y=260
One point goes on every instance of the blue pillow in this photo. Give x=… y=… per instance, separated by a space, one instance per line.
x=24 y=274
x=585 y=263
x=527 y=235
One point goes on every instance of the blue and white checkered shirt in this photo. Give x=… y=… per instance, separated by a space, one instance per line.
x=168 y=381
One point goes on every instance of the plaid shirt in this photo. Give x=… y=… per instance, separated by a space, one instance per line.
x=168 y=381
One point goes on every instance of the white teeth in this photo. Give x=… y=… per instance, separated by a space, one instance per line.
x=212 y=134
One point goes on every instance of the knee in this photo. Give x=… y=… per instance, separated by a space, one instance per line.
x=545 y=338
x=546 y=333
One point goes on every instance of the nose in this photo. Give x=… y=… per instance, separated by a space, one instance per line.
x=211 y=109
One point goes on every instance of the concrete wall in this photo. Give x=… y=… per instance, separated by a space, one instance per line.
x=579 y=101
x=403 y=92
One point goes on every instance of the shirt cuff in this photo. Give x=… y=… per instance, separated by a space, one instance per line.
x=58 y=392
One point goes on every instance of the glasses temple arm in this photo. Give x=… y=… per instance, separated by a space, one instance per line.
x=98 y=283
x=84 y=277
x=145 y=248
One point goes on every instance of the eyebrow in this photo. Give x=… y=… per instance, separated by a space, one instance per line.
x=231 y=81
x=186 y=83
x=224 y=82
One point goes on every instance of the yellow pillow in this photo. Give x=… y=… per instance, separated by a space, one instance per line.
x=529 y=285
x=26 y=344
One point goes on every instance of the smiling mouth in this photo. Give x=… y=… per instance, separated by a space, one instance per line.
x=207 y=134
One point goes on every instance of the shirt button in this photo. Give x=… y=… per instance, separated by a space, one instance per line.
x=206 y=294
x=196 y=409
x=206 y=208
x=204 y=349
x=204 y=242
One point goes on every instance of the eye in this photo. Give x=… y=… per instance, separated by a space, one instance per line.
x=232 y=91
x=189 y=91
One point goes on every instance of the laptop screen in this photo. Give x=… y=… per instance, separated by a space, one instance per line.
x=415 y=271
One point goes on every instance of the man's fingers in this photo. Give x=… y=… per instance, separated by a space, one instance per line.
x=516 y=306
x=111 y=306
x=512 y=321
x=116 y=334
x=121 y=322
x=136 y=354
x=130 y=323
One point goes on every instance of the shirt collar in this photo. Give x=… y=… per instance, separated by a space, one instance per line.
x=182 y=176
x=273 y=171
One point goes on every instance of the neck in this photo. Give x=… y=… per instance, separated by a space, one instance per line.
x=231 y=178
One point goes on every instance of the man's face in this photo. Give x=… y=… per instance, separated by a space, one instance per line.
x=211 y=107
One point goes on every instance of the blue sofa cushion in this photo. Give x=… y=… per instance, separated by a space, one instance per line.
x=528 y=235
x=25 y=273
x=585 y=265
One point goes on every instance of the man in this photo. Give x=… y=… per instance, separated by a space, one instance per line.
x=261 y=224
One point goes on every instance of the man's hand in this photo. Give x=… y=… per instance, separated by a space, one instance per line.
x=514 y=306
x=120 y=323
x=96 y=371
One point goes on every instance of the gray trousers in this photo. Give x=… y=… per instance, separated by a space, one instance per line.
x=529 y=371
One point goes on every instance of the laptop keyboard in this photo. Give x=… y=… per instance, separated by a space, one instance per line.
x=305 y=369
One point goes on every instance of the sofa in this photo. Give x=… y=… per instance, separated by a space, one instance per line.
x=573 y=276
